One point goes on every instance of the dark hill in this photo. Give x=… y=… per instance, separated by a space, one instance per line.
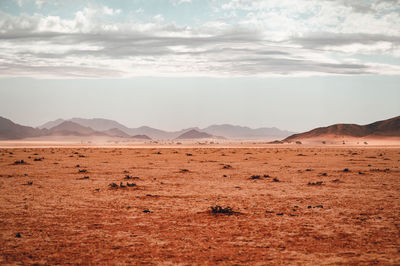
x=389 y=127
x=68 y=128
x=194 y=134
x=10 y=130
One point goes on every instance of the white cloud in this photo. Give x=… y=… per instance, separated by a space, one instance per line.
x=158 y=18
x=109 y=11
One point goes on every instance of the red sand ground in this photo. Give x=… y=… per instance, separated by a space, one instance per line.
x=352 y=218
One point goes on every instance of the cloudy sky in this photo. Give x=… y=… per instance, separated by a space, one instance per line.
x=179 y=63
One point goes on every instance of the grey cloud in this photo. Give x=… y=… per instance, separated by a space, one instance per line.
x=362 y=6
x=233 y=51
x=7 y=69
x=323 y=39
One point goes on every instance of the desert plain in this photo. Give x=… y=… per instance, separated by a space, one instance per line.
x=290 y=204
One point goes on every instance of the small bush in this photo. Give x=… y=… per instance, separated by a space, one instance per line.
x=113 y=185
x=318 y=183
x=218 y=209
x=131 y=177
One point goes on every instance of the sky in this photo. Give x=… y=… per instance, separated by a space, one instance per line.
x=174 y=64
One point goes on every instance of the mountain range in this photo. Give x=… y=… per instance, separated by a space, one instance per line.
x=109 y=128
x=11 y=130
x=225 y=130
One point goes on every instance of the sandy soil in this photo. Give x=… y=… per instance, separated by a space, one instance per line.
x=51 y=214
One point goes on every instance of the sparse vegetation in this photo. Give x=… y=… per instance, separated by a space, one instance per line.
x=19 y=162
x=221 y=210
x=131 y=177
x=125 y=192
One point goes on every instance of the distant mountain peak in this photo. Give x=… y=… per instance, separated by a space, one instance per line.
x=194 y=134
x=71 y=128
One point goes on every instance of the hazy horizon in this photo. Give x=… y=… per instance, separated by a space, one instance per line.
x=269 y=103
x=176 y=64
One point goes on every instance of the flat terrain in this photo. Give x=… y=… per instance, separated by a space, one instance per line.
x=315 y=205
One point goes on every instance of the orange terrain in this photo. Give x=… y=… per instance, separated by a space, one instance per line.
x=279 y=204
